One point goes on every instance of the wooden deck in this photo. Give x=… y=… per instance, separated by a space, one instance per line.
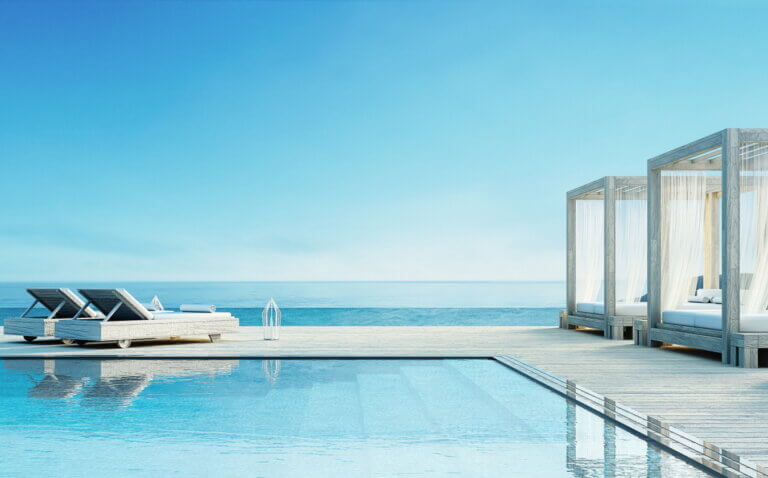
x=693 y=391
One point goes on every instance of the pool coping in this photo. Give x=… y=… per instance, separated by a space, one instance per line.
x=706 y=454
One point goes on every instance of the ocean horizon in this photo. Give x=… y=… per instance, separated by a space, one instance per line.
x=353 y=303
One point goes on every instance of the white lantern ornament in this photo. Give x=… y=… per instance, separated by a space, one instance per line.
x=270 y=319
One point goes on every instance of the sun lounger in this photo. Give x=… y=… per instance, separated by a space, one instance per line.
x=60 y=303
x=126 y=319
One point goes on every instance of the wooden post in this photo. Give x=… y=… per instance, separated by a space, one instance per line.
x=654 y=250
x=730 y=242
x=571 y=255
x=712 y=238
x=609 y=246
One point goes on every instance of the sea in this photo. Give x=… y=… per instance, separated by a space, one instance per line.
x=343 y=303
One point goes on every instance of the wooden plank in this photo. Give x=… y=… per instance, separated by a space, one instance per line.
x=629 y=180
x=97 y=330
x=571 y=255
x=753 y=134
x=592 y=321
x=587 y=188
x=654 y=248
x=609 y=247
x=695 y=147
x=699 y=341
x=730 y=240
x=29 y=326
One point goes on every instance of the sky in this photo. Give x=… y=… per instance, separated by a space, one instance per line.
x=343 y=140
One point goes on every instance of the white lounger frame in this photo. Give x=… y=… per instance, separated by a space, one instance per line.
x=614 y=326
x=116 y=301
x=33 y=327
x=736 y=348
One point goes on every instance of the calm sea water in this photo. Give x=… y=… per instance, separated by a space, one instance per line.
x=346 y=303
x=311 y=418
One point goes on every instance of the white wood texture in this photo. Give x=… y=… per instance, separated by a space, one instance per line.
x=30 y=326
x=97 y=330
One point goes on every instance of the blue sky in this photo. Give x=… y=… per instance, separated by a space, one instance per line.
x=322 y=140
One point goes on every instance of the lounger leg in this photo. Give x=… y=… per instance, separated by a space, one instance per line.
x=733 y=358
x=748 y=357
x=215 y=337
x=640 y=335
x=617 y=332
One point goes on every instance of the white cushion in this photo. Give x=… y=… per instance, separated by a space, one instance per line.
x=754 y=323
x=634 y=308
x=588 y=307
x=705 y=319
x=699 y=306
x=197 y=308
x=709 y=320
x=678 y=317
x=169 y=314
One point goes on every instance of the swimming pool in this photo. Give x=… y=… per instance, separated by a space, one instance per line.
x=315 y=418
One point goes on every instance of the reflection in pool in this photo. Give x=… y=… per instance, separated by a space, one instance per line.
x=304 y=418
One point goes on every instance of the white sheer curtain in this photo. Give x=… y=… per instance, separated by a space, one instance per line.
x=589 y=249
x=631 y=239
x=683 y=197
x=754 y=225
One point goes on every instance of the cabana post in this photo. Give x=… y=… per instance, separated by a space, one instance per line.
x=718 y=180
x=605 y=218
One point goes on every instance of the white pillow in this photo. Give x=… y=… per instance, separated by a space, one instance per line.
x=709 y=293
x=700 y=299
x=717 y=299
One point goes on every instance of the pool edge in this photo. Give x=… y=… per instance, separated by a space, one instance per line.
x=706 y=454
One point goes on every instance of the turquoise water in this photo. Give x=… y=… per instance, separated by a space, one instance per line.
x=346 y=303
x=325 y=294
x=387 y=316
x=313 y=418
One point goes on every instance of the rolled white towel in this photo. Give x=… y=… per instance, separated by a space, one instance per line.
x=197 y=308
x=699 y=299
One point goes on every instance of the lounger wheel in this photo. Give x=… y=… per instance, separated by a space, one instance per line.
x=68 y=341
x=124 y=344
x=30 y=338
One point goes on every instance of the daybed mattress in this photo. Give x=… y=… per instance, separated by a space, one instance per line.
x=706 y=319
x=635 y=308
x=712 y=319
x=754 y=323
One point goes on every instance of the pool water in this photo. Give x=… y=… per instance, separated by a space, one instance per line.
x=309 y=418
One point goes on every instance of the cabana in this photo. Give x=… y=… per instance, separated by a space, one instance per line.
x=607 y=255
x=708 y=245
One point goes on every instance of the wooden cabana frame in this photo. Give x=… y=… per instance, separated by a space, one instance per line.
x=716 y=152
x=614 y=326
